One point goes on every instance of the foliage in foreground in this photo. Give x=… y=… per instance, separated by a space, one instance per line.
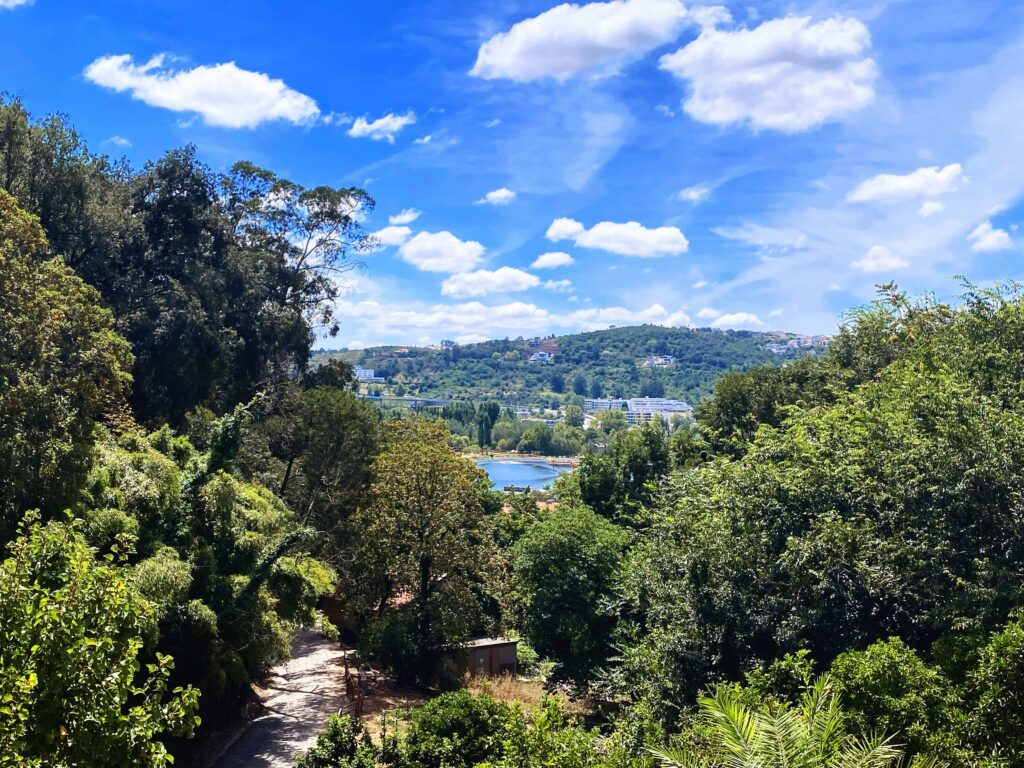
x=812 y=734
x=71 y=689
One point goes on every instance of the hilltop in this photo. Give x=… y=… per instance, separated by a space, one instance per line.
x=619 y=362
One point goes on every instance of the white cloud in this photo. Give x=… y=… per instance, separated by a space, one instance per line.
x=789 y=74
x=775 y=313
x=391 y=235
x=424 y=139
x=568 y=40
x=483 y=282
x=738 y=320
x=405 y=216
x=700 y=284
x=114 y=141
x=559 y=286
x=441 y=252
x=473 y=318
x=383 y=128
x=628 y=239
x=924 y=182
x=984 y=238
x=930 y=208
x=553 y=260
x=502 y=196
x=14 y=3
x=665 y=109
x=563 y=229
x=695 y=194
x=708 y=313
x=223 y=94
x=770 y=241
x=879 y=259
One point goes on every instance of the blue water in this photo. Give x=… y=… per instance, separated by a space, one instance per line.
x=535 y=473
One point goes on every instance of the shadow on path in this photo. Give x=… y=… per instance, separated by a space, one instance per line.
x=299 y=696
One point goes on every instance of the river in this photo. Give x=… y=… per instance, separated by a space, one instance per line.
x=536 y=473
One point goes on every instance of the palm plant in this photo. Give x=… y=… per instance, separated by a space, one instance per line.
x=811 y=734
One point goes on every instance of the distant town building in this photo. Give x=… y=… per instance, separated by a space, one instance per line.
x=659 y=361
x=535 y=341
x=541 y=357
x=367 y=375
x=603 y=404
x=640 y=410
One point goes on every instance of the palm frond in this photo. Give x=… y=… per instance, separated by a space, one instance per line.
x=673 y=758
x=735 y=724
x=872 y=752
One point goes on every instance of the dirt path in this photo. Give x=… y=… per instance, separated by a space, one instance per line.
x=299 y=697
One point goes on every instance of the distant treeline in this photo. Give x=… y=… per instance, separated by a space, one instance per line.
x=606 y=363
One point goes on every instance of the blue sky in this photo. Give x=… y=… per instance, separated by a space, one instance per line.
x=747 y=165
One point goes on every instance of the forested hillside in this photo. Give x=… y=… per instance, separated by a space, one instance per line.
x=608 y=363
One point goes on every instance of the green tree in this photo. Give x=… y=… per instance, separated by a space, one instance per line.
x=71 y=689
x=423 y=536
x=562 y=574
x=63 y=370
x=574 y=416
x=622 y=483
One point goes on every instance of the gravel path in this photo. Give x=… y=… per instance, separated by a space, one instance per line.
x=299 y=696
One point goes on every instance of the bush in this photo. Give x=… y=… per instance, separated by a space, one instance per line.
x=344 y=743
x=391 y=638
x=887 y=688
x=456 y=730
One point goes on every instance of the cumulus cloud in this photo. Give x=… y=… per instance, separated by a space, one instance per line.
x=7 y=4
x=383 y=128
x=224 y=95
x=985 y=238
x=924 y=182
x=628 y=239
x=708 y=313
x=563 y=229
x=441 y=252
x=405 y=216
x=879 y=259
x=482 y=282
x=501 y=196
x=790 y=74
x=473 y=318
x=695 y=194
x=568 y=40
x=552 y=260
x=391 y=235
x=738 y=320
x=930 y=208
x=559 y=286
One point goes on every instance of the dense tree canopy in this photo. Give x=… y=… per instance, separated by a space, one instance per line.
x=218 y=282
x=63 y=369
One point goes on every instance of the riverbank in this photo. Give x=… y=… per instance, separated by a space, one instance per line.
x=558 y=461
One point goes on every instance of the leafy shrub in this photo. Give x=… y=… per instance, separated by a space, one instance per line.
x=344 y=743
x=456 y=730
x=887 y=688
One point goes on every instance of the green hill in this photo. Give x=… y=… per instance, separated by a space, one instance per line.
x=608 y=363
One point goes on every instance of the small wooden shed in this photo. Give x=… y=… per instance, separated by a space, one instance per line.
x=491 y=656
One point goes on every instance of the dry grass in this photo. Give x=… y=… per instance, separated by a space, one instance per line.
x=509 y=689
